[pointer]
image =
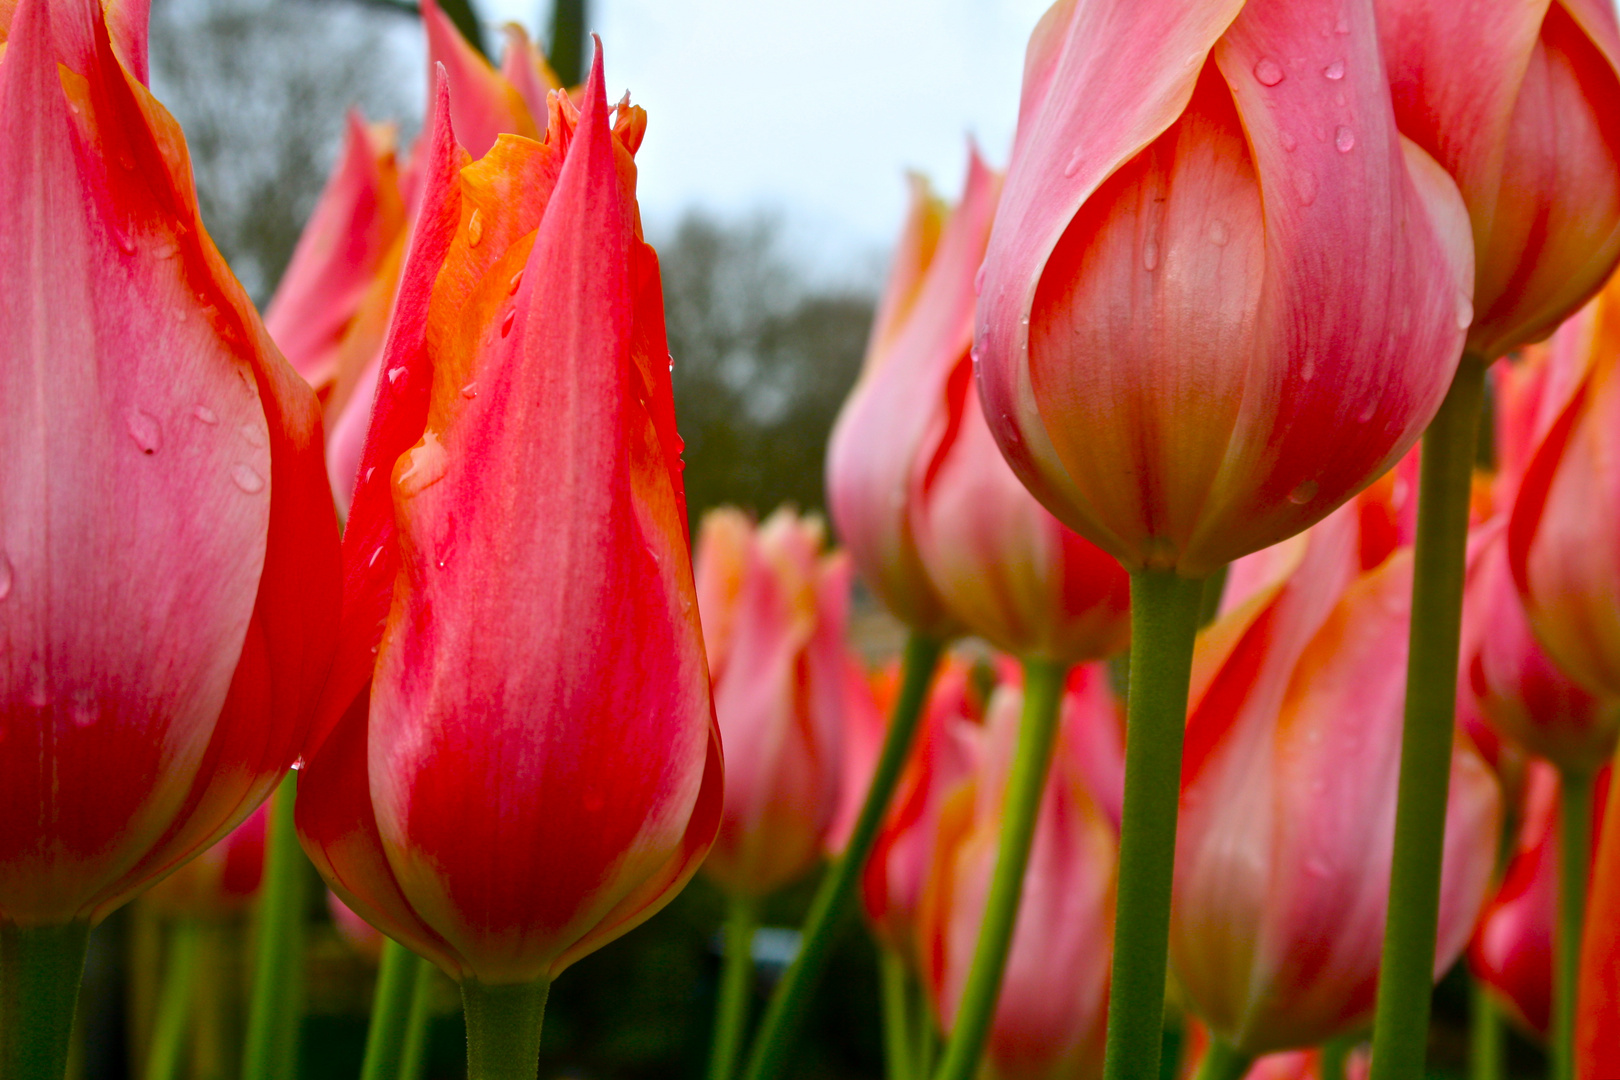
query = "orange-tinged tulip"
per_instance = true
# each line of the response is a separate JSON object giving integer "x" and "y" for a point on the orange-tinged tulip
{"x": 1050, "y": 1018}
{"x": 168, "y": 553}
{"x": 774, "y": 610}
{"x": 1520, "y": 102}
{"x": 222, "y": 880}
{"x": 1288, "y": 800}
{"x": 1222, "y": 293}
{"x": 536, "y": 768}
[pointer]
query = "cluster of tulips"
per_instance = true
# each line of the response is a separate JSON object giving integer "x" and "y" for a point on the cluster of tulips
{"x": 1272, "y": 712}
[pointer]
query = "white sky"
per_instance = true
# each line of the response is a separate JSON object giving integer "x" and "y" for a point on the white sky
{"x": 814, "y": 108}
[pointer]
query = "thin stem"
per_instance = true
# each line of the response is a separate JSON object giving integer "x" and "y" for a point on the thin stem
{"x": 897, "y": 1048}
{"x": 1221, "y": 1062}
{"x": 503, "y": 1028}
{"x": 736, "y": 987}
{"x": 1336, "y": 1057}
{"x": 778, "y": 1031}
{"x": 414, "y": 1058}
{"x": 390, "y": 1013}
{"x": 1037, "y": 734}
{"x": 926, "y": 1041}
{"x": 1486, "y": 1045}
{"x": 1574, "y": 863}
{"x": 1164, "y": 622}
{"x": 40, "y": 969}
{"x": 165, "y": 1060}
{"x": 216, "y": 1002}
{"x": 271, "y": 1045}
{"x": 1406, "y": 980}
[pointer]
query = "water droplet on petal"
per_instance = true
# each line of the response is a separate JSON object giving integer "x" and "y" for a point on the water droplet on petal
{"x": 424, "y": 466}
{"x": 1465, "y": 311}
{"x": 978, "y": 280}
{"x": 126, "y": 243}
{"x": 470, "y": 390}
{"x": 298, "y": 765}
{"x": 506, "y": 323}
{"x": 1269, "y": 72}
{"x": 145, "y": 430}
{"x": 1307, "y": 370}
{"x": 1334, "y": 71}
{"x": 247, "y": 478}
{"x": 1303, "y": 494}
{"x": 1367, "y": 412}
{"x": 1343, "y": 26}
{"x": 1218, "y": 234}
{"x": 395, "y": 374}
{"x": 166, "y": 250}
{"x": 1150, "y": 256}
{"x": 84, "y": 708}
{"x": 253, "y": 435}
{"x": 205, "y": 415}
{"x": 8, "y": 576}
{"x": 1316, "y": 868}
{"x": 375, "y": 555}
{"x": 1344, "y": 139}
{"x": 512, "y": 286}
{"x": 1288, "y": 141}
{"x": 1306, "y": 186}
{"x": 475, "y": 228}
{"x": 367, "y": 478}
{"x": 1076, "y": 159}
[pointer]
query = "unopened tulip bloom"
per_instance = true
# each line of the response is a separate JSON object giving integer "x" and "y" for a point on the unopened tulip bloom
{"x": 536, "y": 768}
{"x": 1293, "y": 752}
{"x": 221, "y": 881}
{"x": 168, "y": 554}
{"x": 775, "y": 610}
{"x": 1049, "y": 1020}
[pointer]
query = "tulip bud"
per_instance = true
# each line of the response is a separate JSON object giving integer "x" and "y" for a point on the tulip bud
{"x": 536, "y": 769}
{"x": 1288, "y": 801}
{"x": 168, "y": 553}
{"x": 1520, "y": 103}
{"x": 1052, "y": 1012}
{"x": 222, "y": 881}
{"x": 362, "y": 937}
{"x": 774, "y": 612}
{"x": 1222, "y": 293}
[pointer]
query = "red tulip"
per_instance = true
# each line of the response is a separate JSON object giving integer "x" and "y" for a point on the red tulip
{"x": 1597, "y": 1010}
{"x": 222, "y": 880}
{"x": 1288, "y": 800}
{"x": 536, "y": 768}
{"x": 891, "y": 429}
{"x": 1222, "y": 294}
{"x": 862, "y": 740}
{"x": 168, "y": 553}
{"x": 1519, "y": 103}
{"x": 774, "y": 610}
{"x": 1051, "y": 1015}
{"x": 362, "y": 937}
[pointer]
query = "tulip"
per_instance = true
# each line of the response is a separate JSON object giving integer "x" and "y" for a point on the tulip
{"x": 535, "y": 769}
{"x": 168, "y": 554}
{"x": 361, "y": 936}
{"x": 1597, "y": 1052}
{"x": 1050, "y": 1017}
{"x": 1293, "y": 752}
{"x": 222, "y": 881}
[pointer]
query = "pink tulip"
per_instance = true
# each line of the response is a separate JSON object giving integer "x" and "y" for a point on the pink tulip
{"x": 1519, "y": 103}
{"x": 168, "y": 553}
{"x": 1288, "y": 800}
{"x": 362, "y": 937}
{"x": 223, "y": 880}
{"x": 1222, "y": 293}
{"x": 536, "y": 768}
{"x": 774, "y": 611}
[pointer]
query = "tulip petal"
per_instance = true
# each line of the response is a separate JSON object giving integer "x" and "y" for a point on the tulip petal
{"x": 524, "y": 66}
{"x": 483, "y": 104}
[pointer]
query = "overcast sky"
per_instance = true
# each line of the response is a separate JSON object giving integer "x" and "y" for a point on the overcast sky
{"x": 812, "y": 107}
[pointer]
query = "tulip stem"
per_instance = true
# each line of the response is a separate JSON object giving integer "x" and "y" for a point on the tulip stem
{"x": 413, "y": 1059}
{"x": 1336, "y": 1057}
{"x": 1574, "y": 864}
{"x": 1485, "y": 1044}
{"x": 922, "y": 1015}
{"x": 271, "y": 1045}
{"x": 40, "y": 969}
{"x": 1406, "y": 977}
{"x": 897, "y": 1030}
{"x": 1221, "y": 1062}
{"x": 1037, "y": 734}
{"x": 736, "y": 987}
{"x": 164, "y": 1061}
{"x": 392, "y": 1013}
{"x": 503, "y": 1028}
{"x": 779, "y": 1029}
{"x": 1164, "y": 621}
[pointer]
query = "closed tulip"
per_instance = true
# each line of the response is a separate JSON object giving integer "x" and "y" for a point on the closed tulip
{"x": 223, "y": 880}
{"x": 1288, "y": 800}
{"x": 536, "y": 768}
{"x": 1222, "y": 293}
{"x": 775, "y": 609}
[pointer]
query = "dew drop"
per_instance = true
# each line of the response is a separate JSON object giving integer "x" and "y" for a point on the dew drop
{"x": 1288, "y": 141}
{"x": 247, "y": 478}
{"x": 166, "y": 251}
{"x": 424, "y": 466}
{"x": 1307, "y": 370}
{"x": 475, "y": 228}
{"x": 1305, "y": 185}
{"x": 1072, "y": 166}
{"x": 367, "y": 478}
{"x": 126, "y": 244}
{"x": 1465, "y": 311}
{"x": 253, "y": 435}
{"x": 395, "y": 374}
{"x": 1150, "y": 256}
{"x": 145, "y": 430}
{"x": 1303, "y": 494}
{"x": 1343, "y": 26}
{"x": 512, "y": 286}
{"x": 978, "y": 280}
{"x": 1367, "y": 412}
{"x": 1269, "y": 72}
{"x": 470, "y": 391}
{"x": 83, "y": 707}
{"x": 1218, "y": 234}
{"x": 205, "y": 415}
{"x": 375, "y": 555}
{"x": 8, "y": 576}
{"x": 1334, "y": 71}
{"x": 298, "y": 765}
{"x": 178, "y": 314}
{"x": 1344, "y": 139}
{"x": 506, "y": 323}
{"x": 1316, "y": 868}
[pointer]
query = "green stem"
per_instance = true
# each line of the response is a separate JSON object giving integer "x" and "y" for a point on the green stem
{"x": 1164, "y": 622}
{"x": 503, "y": 1028}
{"x": 1406, "y": 980}
{"x": 1574, "y": 864}
{"x": 390, "y": 1013}
{"x": 897, "y": 1030}
{"x": 1037, "y": 734}
{"x": 925, "y": 1044}
{"x": 40, "y": 969}
{"x": 1486, "y": 1046}
{"x": 1336, "y": 1057}
{"x": 778, "y": 1031}
{"x": 1214, "y": 589}
{"x": 165, "y": 1060}
{"x": 270, "y": 1050}
{"x": 414, "y": 1058}
{"x": 736, "y": 987}
{"x": 1221, "y": 1062}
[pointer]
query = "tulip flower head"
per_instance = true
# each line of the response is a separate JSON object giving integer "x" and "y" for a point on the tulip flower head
{"x": 223, "y": 880}
{"x": 1222, "y": 293}
{"x": 168, "y": 553}
{"x": 536, "y": 768}
{"x": 774, "y": 611}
